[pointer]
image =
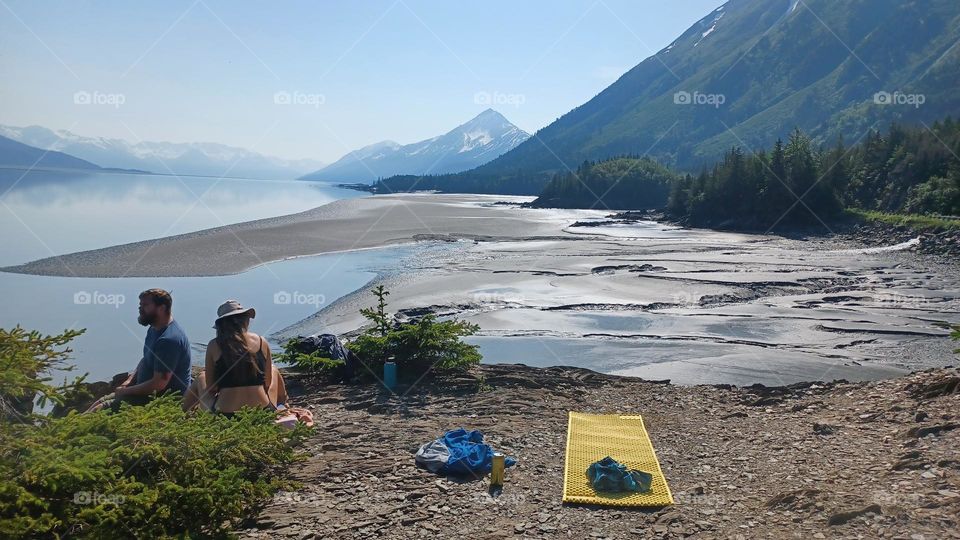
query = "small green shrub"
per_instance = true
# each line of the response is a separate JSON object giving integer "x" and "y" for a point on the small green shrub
{"x": 418, "y": 346}
{"x": 152, "y": 471}
{"x": 378, "y": 316}
{"x": 313, "y": 363}
{"x": 956, "y": 336}
{"x": 149, "y": 471}
{"x": 26, "y": 361}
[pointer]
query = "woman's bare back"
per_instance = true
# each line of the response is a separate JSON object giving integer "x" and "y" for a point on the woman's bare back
{"x": 234, "y": 398}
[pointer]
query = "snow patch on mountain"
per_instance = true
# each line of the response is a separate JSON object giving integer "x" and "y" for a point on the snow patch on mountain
{"x": 713, "y": 26}
{"x": 483, "y": 138}
{"x": 794, "y": 4}
{"x": 475, "y": 139}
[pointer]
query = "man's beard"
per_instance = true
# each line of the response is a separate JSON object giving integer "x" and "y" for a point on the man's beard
{"x": 146, "y": 320}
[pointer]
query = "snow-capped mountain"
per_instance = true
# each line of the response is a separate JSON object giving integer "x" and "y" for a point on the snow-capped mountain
{"x": 205, "y": 159}
{"x": 373, "y": 152}
{"x": 474, "y": 143}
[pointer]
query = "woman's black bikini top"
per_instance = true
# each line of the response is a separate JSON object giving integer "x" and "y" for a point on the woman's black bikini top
{"x": 229, "y": 377}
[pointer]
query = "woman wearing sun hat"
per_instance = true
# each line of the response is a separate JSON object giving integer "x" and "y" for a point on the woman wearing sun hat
{"x": 239, "y": 366}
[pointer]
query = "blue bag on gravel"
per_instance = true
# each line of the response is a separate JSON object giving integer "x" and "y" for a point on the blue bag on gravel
{"x": 458, "y": 452}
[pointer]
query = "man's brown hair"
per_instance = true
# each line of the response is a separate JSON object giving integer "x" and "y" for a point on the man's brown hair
{"x": 159, "y": 297}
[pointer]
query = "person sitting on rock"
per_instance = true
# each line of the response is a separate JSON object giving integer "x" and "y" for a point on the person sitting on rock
{"x": 165, "y": 366}
{"x": 239, "y": 366}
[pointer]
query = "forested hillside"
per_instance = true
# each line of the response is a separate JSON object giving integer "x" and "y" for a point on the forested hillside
{"x": 616, "y": 184}
{"x": 909, "y": 170}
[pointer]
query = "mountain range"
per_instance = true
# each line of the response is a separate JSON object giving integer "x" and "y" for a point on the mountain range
{"x": 19, "y": 155}
{"x": 202, "y": 159}
{"x": 746, "y": 74}
{"x": 466, "y": 146}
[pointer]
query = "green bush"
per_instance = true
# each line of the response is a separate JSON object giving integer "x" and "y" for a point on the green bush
{"x": 937, "y": 195}
{"x": 421, "y": 345}
{"x": 417, "y": 347}
{"x": 913, "y": 221}
{"x": 149, "y": 471}
{"x": 26, "y": 361}
{"x": 312, "y": 363}
{"x": 152, "y": 471}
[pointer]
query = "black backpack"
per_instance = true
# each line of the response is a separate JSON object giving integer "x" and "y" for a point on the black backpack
{"x": 327, "y": 346}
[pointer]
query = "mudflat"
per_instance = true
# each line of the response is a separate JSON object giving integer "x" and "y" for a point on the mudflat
{"x": 694, "y": 306}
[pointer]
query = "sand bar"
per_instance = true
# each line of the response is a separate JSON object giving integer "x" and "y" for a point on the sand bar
{"x": 361, "y": 223}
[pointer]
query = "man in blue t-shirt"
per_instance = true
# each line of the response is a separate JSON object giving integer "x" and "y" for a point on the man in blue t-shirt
{"x": 165, "y": 366}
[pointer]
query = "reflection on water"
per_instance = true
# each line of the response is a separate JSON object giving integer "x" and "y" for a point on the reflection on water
{"x": 47, "y": 213}
{"x": 682, "y": 362}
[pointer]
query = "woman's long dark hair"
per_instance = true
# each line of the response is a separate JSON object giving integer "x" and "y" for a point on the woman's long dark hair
{"x": 238, "y": 362}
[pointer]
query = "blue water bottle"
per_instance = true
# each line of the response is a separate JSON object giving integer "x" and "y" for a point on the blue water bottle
{"x": 390, "y": 374}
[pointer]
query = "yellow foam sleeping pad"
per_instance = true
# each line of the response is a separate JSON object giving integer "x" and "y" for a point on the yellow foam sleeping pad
{"x": 592, "y": 437}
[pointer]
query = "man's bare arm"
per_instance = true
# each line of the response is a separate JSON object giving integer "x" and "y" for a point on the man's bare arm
{"x": 157, "y": 383}
{"x": 131, "y": 376}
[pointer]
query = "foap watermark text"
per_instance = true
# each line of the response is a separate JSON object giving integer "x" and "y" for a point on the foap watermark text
{"x": 297, "y": 97}
{"x": 899, "y": 98}
{"x": 97, "y": 298}
{"x": 496, "y": 98}
{"x": 96, "y": 498}
{"x": 297, "y": 298}
{"x": 97, "y": 97}
{"x": 698, "y": 98}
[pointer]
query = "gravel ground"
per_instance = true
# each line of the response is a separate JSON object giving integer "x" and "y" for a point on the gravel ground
{"x": 813, "y": 460}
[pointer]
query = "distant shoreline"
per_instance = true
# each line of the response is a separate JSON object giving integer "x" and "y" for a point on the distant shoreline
{"x": 108, "y": 170}
{"x": 115, "y": 170}
{"x": 356, "y": 186}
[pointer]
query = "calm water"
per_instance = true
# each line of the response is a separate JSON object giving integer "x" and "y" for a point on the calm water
{"x": 46, "y": 214}
{"x": 52, "y": 213}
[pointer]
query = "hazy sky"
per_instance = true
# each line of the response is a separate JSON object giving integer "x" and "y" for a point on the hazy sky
{"x": 311, "y": 79}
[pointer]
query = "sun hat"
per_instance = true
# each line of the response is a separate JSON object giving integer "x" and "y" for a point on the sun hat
{"x": 233, "y": 307}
